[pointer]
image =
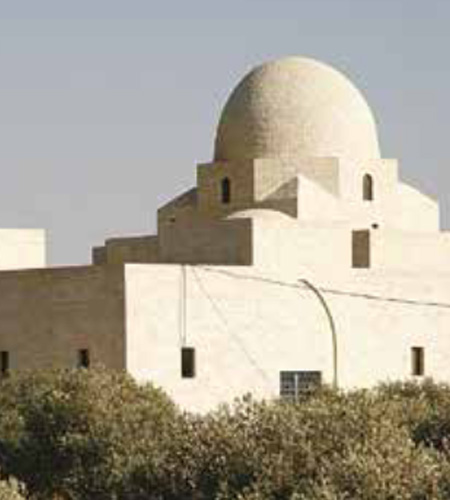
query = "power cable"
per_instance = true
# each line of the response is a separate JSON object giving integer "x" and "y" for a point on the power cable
{"x": 227, "y": 328}
{"x": 311, "y": 288}
{"x": 333, "y": 291}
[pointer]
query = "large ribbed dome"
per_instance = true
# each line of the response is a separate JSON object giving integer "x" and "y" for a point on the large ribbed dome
{"x": 296, "y": 107}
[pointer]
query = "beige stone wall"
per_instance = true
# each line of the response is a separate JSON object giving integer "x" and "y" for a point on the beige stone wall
{"x": 22, "y": 248}
{"x": 324, "y": 172}
{"x": 271, "y": 177}
{"x": 206, "y": 241}
{"x": 181, "y": 209}
{"x": 46, "y": 316}
{"x": 98, "y": 255}
{"x": 262, "y": 183}
{"x": 209, "y": 178}
{"x": 128, "y": 249}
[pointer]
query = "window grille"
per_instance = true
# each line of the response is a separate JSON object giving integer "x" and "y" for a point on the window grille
{"x": 296, "y": 383}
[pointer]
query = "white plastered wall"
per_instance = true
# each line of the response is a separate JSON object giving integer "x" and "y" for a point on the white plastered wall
{"x": 245, "y": 331}
{"x": 410, "y": 251}
{"x": 22, "y": 248}
{"x": 282, "y": 244}
{"x": 241, "y": 345}
{"x": 411, "y": 210}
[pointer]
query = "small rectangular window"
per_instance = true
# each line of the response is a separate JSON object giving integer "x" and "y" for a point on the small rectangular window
{"x": 83, "y": 358}
{"x": 4, "y": 363}
{"x": 361, "y": 249}
{"x": 295, "y": 383}
{"x": 225, "y": 190}
{"x": 188, "y": 362}
{"x": 417, "y": 361}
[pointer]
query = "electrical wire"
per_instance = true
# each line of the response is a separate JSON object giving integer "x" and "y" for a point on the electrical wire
{"x": 227, "y": 328}
{"x": 361, "y": 295}
{"x": 300, "y": 284}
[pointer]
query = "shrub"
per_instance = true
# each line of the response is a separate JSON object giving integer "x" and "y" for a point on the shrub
{"x": 328, "y": 446}
{"x": 80, "y": 434}
{"x": 96, "y": 435}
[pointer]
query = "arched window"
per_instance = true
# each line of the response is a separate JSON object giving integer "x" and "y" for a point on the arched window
{"x": 225, "y": 193}
{"x": 367, "y": 188}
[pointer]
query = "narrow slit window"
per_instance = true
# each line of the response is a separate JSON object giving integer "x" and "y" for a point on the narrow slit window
{"x": 367, "y": 187}
{"x": 84, "y": 360}
{"x": 417, "y": 361}
{"x": 4, "y": 363}
{"x": 225, "y": 190}
{"x": 188, "y": 362}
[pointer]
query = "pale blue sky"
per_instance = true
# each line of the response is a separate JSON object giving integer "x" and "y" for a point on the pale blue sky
{"x": 106, "y": 106}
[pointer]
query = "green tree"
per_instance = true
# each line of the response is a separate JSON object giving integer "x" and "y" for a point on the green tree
{"x": 96, "y": 434}
{"x": 81, "y": 434}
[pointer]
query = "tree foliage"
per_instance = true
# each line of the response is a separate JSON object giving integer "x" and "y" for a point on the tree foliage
{"x": 11, "y": 490}
{"x": 96, "y": 434}
{"x": 81, "y": 434}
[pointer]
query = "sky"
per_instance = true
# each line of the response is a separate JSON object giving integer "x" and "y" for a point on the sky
{"x": 106, "y": 106}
